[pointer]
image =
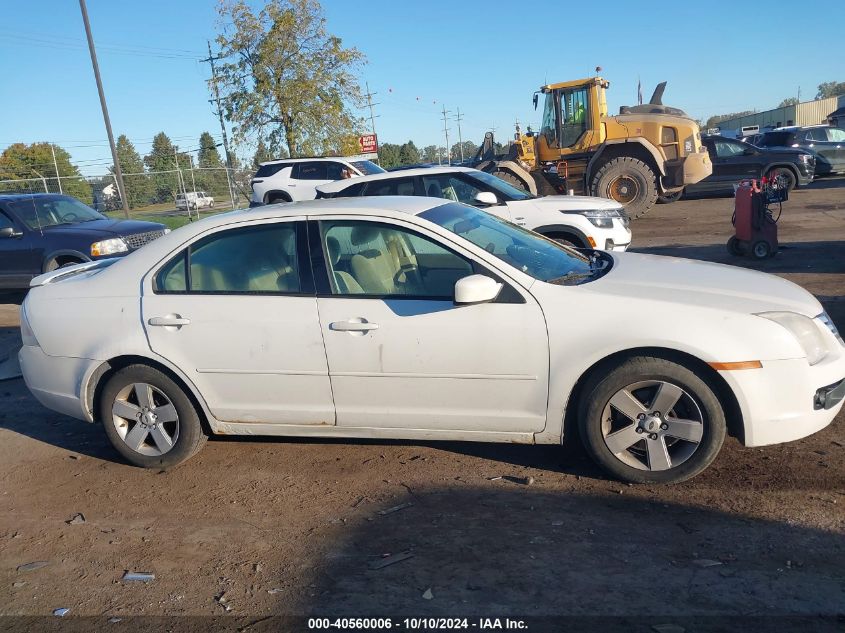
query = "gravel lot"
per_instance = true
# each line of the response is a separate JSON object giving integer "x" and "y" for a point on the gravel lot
{"x": 253, "y": 528}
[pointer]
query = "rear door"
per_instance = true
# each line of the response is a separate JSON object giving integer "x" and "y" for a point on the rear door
{"x": 236, "y": 312}
{"x": 818, "y": 141}
{"x": 308, "y": 175}
{"x": 836, "y": 138}
{"x": 17, "y": 258}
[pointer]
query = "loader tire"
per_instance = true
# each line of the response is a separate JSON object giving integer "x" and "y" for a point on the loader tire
{"x": 629, "y": 181}
{"x": 511, "y": 179}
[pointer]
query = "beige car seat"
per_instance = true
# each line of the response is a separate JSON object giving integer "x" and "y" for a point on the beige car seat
{"x": 344, "y": 283}
{"x": 373, "y": 268}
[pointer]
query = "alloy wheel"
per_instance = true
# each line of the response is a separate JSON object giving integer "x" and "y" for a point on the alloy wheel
{"x": 145, "y": 419}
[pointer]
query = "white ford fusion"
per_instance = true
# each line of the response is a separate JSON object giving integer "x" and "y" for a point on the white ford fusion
{"x": 423, "y": 319}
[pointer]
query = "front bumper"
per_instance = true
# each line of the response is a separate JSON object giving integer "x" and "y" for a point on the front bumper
{"x": 779, "y": 402}
{"x": 57, "y": 381}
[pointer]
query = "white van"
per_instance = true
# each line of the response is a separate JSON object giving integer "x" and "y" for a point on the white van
{"x": 194, "y": 200}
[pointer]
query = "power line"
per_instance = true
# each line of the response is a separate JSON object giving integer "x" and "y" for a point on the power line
{"x": 446, "y": 132}
{"x": 458, "y": 119}
{"x": 370, "y": 104}
{"x": 211, "y": 59}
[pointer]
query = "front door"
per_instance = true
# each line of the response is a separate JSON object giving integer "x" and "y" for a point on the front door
{"x": 402, "y": 355}
{"x": 17, "y": 260}
{"x": 237, "y": 313}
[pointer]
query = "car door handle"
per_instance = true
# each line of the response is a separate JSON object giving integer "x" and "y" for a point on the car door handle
{"x": 353, "y": 326}
{"x": 169, "y": 321}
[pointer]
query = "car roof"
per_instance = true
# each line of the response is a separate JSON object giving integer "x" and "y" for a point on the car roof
{"x": 412, "y": 205}
{"x": 28, "y": 196}
{"x": 346, "y": 159}
{"x": 340, "y": 185}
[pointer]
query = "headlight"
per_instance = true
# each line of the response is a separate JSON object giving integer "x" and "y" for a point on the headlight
{"x": 602, "y": 218}
{"x": 828, "y": 323}
{"x": 108, "y": 247}
{"x": 166, "y": 230}
{"x": 805, "y": 331}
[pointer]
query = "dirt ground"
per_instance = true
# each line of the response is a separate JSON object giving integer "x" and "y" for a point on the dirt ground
{"x": 256, "y": 528}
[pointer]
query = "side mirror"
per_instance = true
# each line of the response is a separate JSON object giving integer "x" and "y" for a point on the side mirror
{"x": 476, "y": 289}
{"x": 9, "y": 231}
{"x": 486, "y": 198}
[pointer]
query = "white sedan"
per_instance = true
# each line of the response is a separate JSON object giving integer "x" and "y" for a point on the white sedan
{"x": 579, "y": 221}
{"x": 422, "y": 319}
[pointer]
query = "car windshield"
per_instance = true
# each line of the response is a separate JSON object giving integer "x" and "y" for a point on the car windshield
{"x": 367, "y": 167}
{"x": 530, "y": 252}
{"x": 507, "y": 190}
{"x": 38, "y": 213}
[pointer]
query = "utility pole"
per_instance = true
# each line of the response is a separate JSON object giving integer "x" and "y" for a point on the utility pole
{"x": 117, "y": 172}
{"x": 446, "y": 132}
{"x": 370, "y": 104}
{"x": 458, "y": 118}
{"x": 181, "y": 181}
{"x": 56, "y": 167}
{"x": 211, "y": 59}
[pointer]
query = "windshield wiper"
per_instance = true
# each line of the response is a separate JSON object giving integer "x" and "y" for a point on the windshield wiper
{"x": 570, "y": 277}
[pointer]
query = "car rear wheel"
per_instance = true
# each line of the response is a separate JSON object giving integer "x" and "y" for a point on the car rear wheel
{"x": 651, "y": 420}
{"x": 149, "y": 419}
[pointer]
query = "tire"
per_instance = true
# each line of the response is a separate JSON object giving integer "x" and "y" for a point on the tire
{"x": 509, "y": 178}
{"x": 273, "y": 198}
{"x": 54, "y": 264}
{"x": 567, "y": 240}
{"x": 185, "y": 433}
{"x": 654, "y": 455}
{"x": 787, "y": 174}
{"x": 629, "y": 181}
{"x": 734, "y": 246}
{"x": 761, "y": 249}
{"x": 669, "y": 198}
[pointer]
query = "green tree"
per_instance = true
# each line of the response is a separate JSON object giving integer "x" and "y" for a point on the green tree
{"x": 20, "y": 161}
{"x": 136, "y": 182}
{"x": 469, "y": 150}
{"x": 388, "y": 154}
{"x": 161, "y": 163}
{"x": 789, "y": 101}
{"x": 409, "y": 154}
{"x": 262, "y": 154}
{"x": 286, "y": 78}
{"x": 830, "y": 89}
{"x": 429, "y": 154}
{"x": 211, "y": 175}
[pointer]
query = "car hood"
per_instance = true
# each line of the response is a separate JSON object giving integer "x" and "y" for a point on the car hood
{"x": 568, "y": 203}
{"x": 676, "y": 280}
{"x": 105, "y": 228}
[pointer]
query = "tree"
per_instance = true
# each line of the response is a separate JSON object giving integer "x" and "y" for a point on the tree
{"x": 162, "y": 158}
{"x": 286, "y": 78}
{"x": 469, "y": 150}
{"x": 211, "y": 177}
{"x": 409, "y": 154}
{"x": 136, "y": 182}
{"x": 830, "y": 89}
{"x": 789, "y": 101}
{"x": 714, "y": 120}
{"x": 262, "y": 155}
{"x": 429, "y": 154}
{"x": 34, "y": 162}
{"x": 388, "y": 154}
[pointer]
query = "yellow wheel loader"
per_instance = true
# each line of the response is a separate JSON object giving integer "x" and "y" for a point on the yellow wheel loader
{"x": 632, "y": 157}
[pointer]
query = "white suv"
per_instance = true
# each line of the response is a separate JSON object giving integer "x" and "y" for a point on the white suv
{"x": 580, "y": 221}
{"x": 194, "y": 200}
{"x": 293, "y": 179}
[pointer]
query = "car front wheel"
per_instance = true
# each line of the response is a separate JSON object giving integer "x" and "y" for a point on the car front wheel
{"x": 651, "y": 420}
{"x": 149, "y": 419}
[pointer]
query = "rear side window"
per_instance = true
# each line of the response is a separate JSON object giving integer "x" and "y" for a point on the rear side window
{"x": 776, "y": 139}
{"x": 312, "y": 171}
{"x": 251, "y": 260}
{"x": 837, "y": 135}
{"x": 265, "y": 171}
{"x": 398, "y": 187}
{"x": 819, "y": 134}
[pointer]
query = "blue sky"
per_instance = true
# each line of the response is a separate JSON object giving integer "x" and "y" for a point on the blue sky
{"x": 486, "y": 58}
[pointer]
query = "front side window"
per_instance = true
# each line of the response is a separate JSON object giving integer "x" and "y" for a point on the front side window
{"x": 5, "y": 222}
{"x": 38, "y": 213}
{"x": 573, "y": 105}
{"x": 251, "y": 260}
{"x": 383, "y": 260}
{"x": 525, "y": 250}
{"x": 819, "y": 134}
{"x": 367, "y": 167}
{"x": 726, "y": 149}
{"x": 548, "y": 127}
{"x": 503, "y": 189}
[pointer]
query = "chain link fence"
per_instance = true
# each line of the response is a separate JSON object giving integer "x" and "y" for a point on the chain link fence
{"x": 204, "y": 188}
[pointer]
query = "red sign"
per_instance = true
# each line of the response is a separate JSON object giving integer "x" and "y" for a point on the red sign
{"x": 368, "y": 143}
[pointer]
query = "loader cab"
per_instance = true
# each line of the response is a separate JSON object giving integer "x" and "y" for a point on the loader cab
{"x": 571, "y": 121}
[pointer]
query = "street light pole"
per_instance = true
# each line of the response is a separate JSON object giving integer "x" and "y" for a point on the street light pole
{"x": 117, "y": 172}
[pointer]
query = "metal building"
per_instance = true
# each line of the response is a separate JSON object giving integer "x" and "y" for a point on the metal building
{"x": 804, "y": 113}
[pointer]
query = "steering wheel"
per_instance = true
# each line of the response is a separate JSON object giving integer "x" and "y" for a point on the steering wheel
{"x": 409, "y": 271}
{"x": 490, "y": 248}
{"x": 70, "y": 216}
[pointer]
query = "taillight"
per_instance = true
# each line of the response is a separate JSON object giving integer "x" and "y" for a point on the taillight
{"x": 27, "y": 335}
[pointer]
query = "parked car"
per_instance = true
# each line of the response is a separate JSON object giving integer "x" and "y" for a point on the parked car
{"x": 194, "y": 200}
{"x": 735, "y": 161}
{"x": 414, "y": 318}
{"x": 42, "y": 232}
{"x": 293, "y": 179}
{"x": 580, "y": 221}
{"x": 826, "y": 144}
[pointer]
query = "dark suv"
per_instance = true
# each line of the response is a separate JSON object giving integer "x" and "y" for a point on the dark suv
{"x": 42, "y": 232}
{"x": 827, "y": 144}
